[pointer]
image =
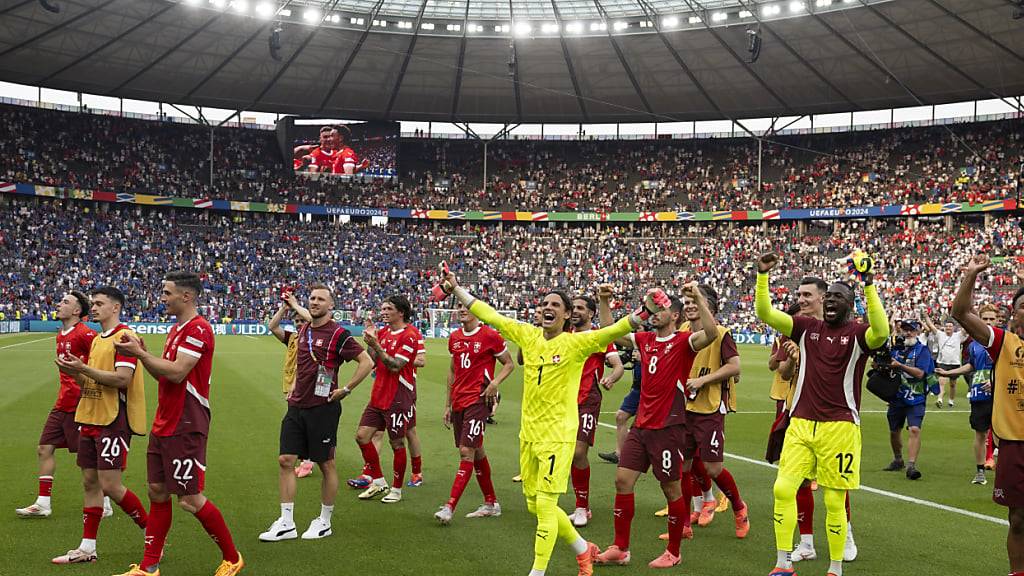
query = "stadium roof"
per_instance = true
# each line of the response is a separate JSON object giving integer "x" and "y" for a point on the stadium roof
{"x": 513, "y": 61}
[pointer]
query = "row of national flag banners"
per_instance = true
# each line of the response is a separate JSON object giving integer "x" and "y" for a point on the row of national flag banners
{"x": 928, "y": 209}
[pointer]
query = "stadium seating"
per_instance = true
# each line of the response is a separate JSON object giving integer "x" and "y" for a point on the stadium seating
{"x": 966, "y": 162}
{"x": 51, "y": 246}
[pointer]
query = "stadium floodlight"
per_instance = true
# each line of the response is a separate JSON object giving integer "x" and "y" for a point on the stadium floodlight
{"x": 454, "y": 27}
{"x": 823, "y": 3}
{"x": 523, "y": 29}
{"x": 574, "y": 27}
{"x": 549, "y": 28}
{"x": 311, "y": 15}
{"x": 670, "y": 21}
{"x": 405, "y": 24}
{"x": 474, "y": 28}
{"x": 745, "y": 14}
{"x": 218, "y": 4}
{"x": 598, "y": 26}
{"x": 797, "y": 6}
{"x": 427, "y": 26}
{"x": 620, "y": 26}
{"x": 264, "y": 10}
{"x": 193, "y": 2}
{"x": 357, "y": 21}
{"x": 335, "y": 18}
{"x": 719, "y": 17}
{"x": 694, "y": 20}
{"x": 771, "y": 10}
{"x": 286, "y": 12}
{"x": 240, "y": 6}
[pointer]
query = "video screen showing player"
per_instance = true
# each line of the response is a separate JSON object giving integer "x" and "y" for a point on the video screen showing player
{"x": 367, "y": 149}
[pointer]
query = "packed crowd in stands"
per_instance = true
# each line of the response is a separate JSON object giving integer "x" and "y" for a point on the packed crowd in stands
{"x": 964, "y": 162}
{"x": 51, "y": 246}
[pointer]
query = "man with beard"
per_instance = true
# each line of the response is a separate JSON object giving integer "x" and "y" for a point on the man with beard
{"x": 659, "y": 431}
{"x": 310, "y": 427}
{"x": 823, "y": 440}
{"x": 809, "y": 302}
{"x": 589, "y": 398}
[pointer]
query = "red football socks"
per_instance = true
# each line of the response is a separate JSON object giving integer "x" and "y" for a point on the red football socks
{"x": 417, "y": 464}
{"x": 727, "y": 484}
{"x": 623, "y": 511}
{"x": 701, "y": 475}
{"x": 372, "y": 460}
{"x": 45, "y": 485}
{"x": 160, "y": 514}
{"x": 91, "y": 522}
{"x": 805, "y": 509}
{"x": 461, "y": 479}
{"x": 677, "y": 511}
{"x": 399, "y": 467}
{"x": 687, "y": 484}
{"x": 581, "y": 486}
{"x": 213, "y": 522}
{"x": 132, "y": 506}
{"x": 483, "y": 477}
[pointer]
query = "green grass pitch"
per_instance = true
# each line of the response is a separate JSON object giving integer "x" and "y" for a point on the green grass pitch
{"x": 895, "y": 536}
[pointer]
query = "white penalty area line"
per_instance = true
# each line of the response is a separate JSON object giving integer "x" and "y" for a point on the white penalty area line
{"x": 26, "y": 342}
{"x": 886, "y": 493}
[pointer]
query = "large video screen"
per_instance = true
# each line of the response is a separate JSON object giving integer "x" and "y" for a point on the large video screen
{"x": 362, "y": 149}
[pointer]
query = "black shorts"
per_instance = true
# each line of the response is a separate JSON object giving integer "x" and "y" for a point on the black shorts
{"x": 981, "y": 416}
{"x": 951, "y": 367}
{"x": 311, "y": 433}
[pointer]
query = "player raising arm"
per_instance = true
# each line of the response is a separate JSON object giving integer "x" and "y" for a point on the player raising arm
{"x": 659, "y": 432}
{"x": 823, "y": 439}
{"x": 1004, "y": 348}
{"x": 553, "y": 365}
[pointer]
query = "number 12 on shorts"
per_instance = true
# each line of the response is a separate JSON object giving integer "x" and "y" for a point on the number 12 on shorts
{"x": 845, "y": 463}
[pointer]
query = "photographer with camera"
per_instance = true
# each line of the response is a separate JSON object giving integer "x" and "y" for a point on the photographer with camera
{"x": 914, "y": 362}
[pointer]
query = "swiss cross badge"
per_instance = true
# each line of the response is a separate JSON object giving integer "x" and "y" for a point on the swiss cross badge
{"x": 556, "y": 359}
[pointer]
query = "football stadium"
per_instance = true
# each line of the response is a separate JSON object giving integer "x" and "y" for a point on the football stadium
{"x": 527, "y": 287}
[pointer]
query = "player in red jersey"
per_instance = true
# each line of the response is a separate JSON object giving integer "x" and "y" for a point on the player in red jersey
{"x": 392, "y": 404}
{"x": 176, "y": 458}
{"x": 347, "y": 161}
{"x": 60, "y": 430}
{"x": 657, "y": 435}
{"x": 589, "y": 399}
{"x": 472, "y": 388}
{"x": 111, "y": 409}
{"x": 320, "y": 158}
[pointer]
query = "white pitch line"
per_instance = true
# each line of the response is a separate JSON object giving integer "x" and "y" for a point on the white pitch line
{"x": 886, "y": 493}
{"x": 25, "y": 342}
{"x": 930, "y": 412}
{"x": 253, "y": 337}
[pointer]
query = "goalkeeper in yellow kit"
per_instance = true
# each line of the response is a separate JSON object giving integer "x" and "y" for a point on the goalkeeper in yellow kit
{"x": 553, "y": 365}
